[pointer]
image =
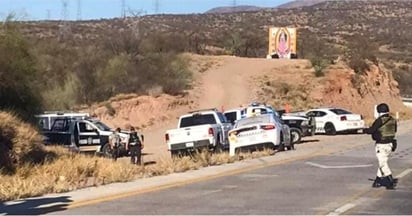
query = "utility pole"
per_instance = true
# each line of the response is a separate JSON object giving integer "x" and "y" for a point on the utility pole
{"x": 156, "y": 6}
{"x": 79, "y": 10}
{"x": 234, "y": 4}
{"x": 48, "y": 14}
{"x": 65, "y": 10}
{"x": 123, "y": 9}
{"x": 64, "y": 28}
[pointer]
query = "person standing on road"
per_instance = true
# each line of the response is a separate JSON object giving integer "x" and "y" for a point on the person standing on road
{"x": 135, "y": 145}
{"x": 115, "y": 143}
{"x": 383, "y": 131}
{"x": 312, "y": 124}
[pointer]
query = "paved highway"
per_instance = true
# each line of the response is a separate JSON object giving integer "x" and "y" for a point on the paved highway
{"x": 336, "y": 183}
{"x": 327, "y": 175}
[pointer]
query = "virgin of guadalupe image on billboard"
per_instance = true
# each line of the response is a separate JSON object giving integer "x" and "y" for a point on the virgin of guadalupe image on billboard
{"x": 282, "y": 43}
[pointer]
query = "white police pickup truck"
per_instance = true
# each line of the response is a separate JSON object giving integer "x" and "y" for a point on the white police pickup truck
{"x": 198, "y": 130}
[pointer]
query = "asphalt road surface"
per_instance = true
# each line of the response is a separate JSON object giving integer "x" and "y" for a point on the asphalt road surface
{"x": 336, "y": 183}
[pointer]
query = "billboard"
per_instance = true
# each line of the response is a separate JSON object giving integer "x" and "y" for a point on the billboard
{"x": 282, "y": 43}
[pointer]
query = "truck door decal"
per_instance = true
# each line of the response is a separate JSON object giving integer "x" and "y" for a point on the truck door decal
{"x": 88, "y": 134}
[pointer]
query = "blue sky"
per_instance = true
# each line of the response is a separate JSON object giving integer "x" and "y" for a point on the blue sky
{"x": 96, "y": 9}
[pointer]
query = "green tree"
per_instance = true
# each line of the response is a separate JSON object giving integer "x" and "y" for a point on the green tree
{"x": 18, "y": 73}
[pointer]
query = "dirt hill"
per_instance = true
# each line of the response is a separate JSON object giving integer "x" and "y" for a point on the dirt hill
{"x": 228, "y": 82}
{"x": 383, "y": 26}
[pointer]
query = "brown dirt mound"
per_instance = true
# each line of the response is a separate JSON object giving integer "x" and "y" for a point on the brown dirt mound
{"x": 360, "y": 92}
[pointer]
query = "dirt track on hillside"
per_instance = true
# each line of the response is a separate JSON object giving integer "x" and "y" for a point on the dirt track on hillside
{"x": 227, "y": 86}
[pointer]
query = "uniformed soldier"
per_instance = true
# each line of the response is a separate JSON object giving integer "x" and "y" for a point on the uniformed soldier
{"x": 135, "y": 144}
{"x": 383, "y": 131}
{"x": 115, "y": 143}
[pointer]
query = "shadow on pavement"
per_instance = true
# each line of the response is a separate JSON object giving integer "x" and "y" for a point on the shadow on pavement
{"x": 308, "y": 141}
{"x": 35, "y": 206}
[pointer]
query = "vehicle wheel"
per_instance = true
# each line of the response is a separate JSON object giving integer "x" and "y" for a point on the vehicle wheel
{"x": 295, "y": 135}
{"x": 330, "y": 129}
{"x": 107, "y": 151}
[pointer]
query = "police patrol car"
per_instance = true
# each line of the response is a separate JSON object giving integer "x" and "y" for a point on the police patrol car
{"x": 332, "y": 120}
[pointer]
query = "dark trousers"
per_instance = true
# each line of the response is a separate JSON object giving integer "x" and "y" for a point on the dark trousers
{"x": 135, "y": 154}
{"x": 115, "y": 153}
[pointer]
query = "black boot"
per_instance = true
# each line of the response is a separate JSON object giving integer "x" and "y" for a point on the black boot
{"x": 395, "y": 180}
{"x": 390, "y": 183}
{"x": 377, "y": 182}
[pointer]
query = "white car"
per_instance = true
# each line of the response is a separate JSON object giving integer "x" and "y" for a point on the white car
{"x": 333, "y": 120}
{"x": 259, "y": 131}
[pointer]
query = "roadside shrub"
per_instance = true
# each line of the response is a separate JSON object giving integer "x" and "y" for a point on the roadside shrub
{"x": 62, "y": 97}
{"x": 18, "y": 73}
{"x": 360, "y": 51}
{"x": 319, "y": 52}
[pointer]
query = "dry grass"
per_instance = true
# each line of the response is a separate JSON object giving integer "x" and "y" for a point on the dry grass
{"x": 405, "y": 113}
{"x": 30, "y": 169}
{"x": 70, "y": 171}
{"x": 19, "y": 143}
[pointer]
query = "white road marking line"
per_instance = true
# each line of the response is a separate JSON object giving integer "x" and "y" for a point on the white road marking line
{"x": 211, "y": 192}
{"x": 338, "y": 167}
{"x": 15, "y": 202}
{"x": 50, "y": 205}
{"x": 348, "y": 206}
{"x": 258, "y": 175}
{"x": 404, "y": 173}
{"x": 230, "y": 186}
{"x": 342, "y": 209}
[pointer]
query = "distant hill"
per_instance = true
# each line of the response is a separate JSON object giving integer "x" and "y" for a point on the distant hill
{"x": 245, "y": 8}
{"x": 300, "y": 3}
{"x": 339, "y": 25}
{"x": 240, "y": 8}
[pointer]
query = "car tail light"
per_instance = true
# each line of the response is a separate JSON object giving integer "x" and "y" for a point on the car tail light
{"x": 167, "y": 137}
{"x": 343, "y": 118}
{"x": 268, "y": 127}
{"x": 210, "y": 131}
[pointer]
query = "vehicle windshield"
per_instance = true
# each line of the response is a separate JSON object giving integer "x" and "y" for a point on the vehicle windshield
{"x": 262, "y": 119}
{"x": 197, "y": 120}
{"x": 102, "y": 126}
{"x": 340, "y": 111}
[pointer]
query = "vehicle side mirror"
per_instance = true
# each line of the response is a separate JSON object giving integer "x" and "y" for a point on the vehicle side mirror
{"x": 96, "y": 131}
